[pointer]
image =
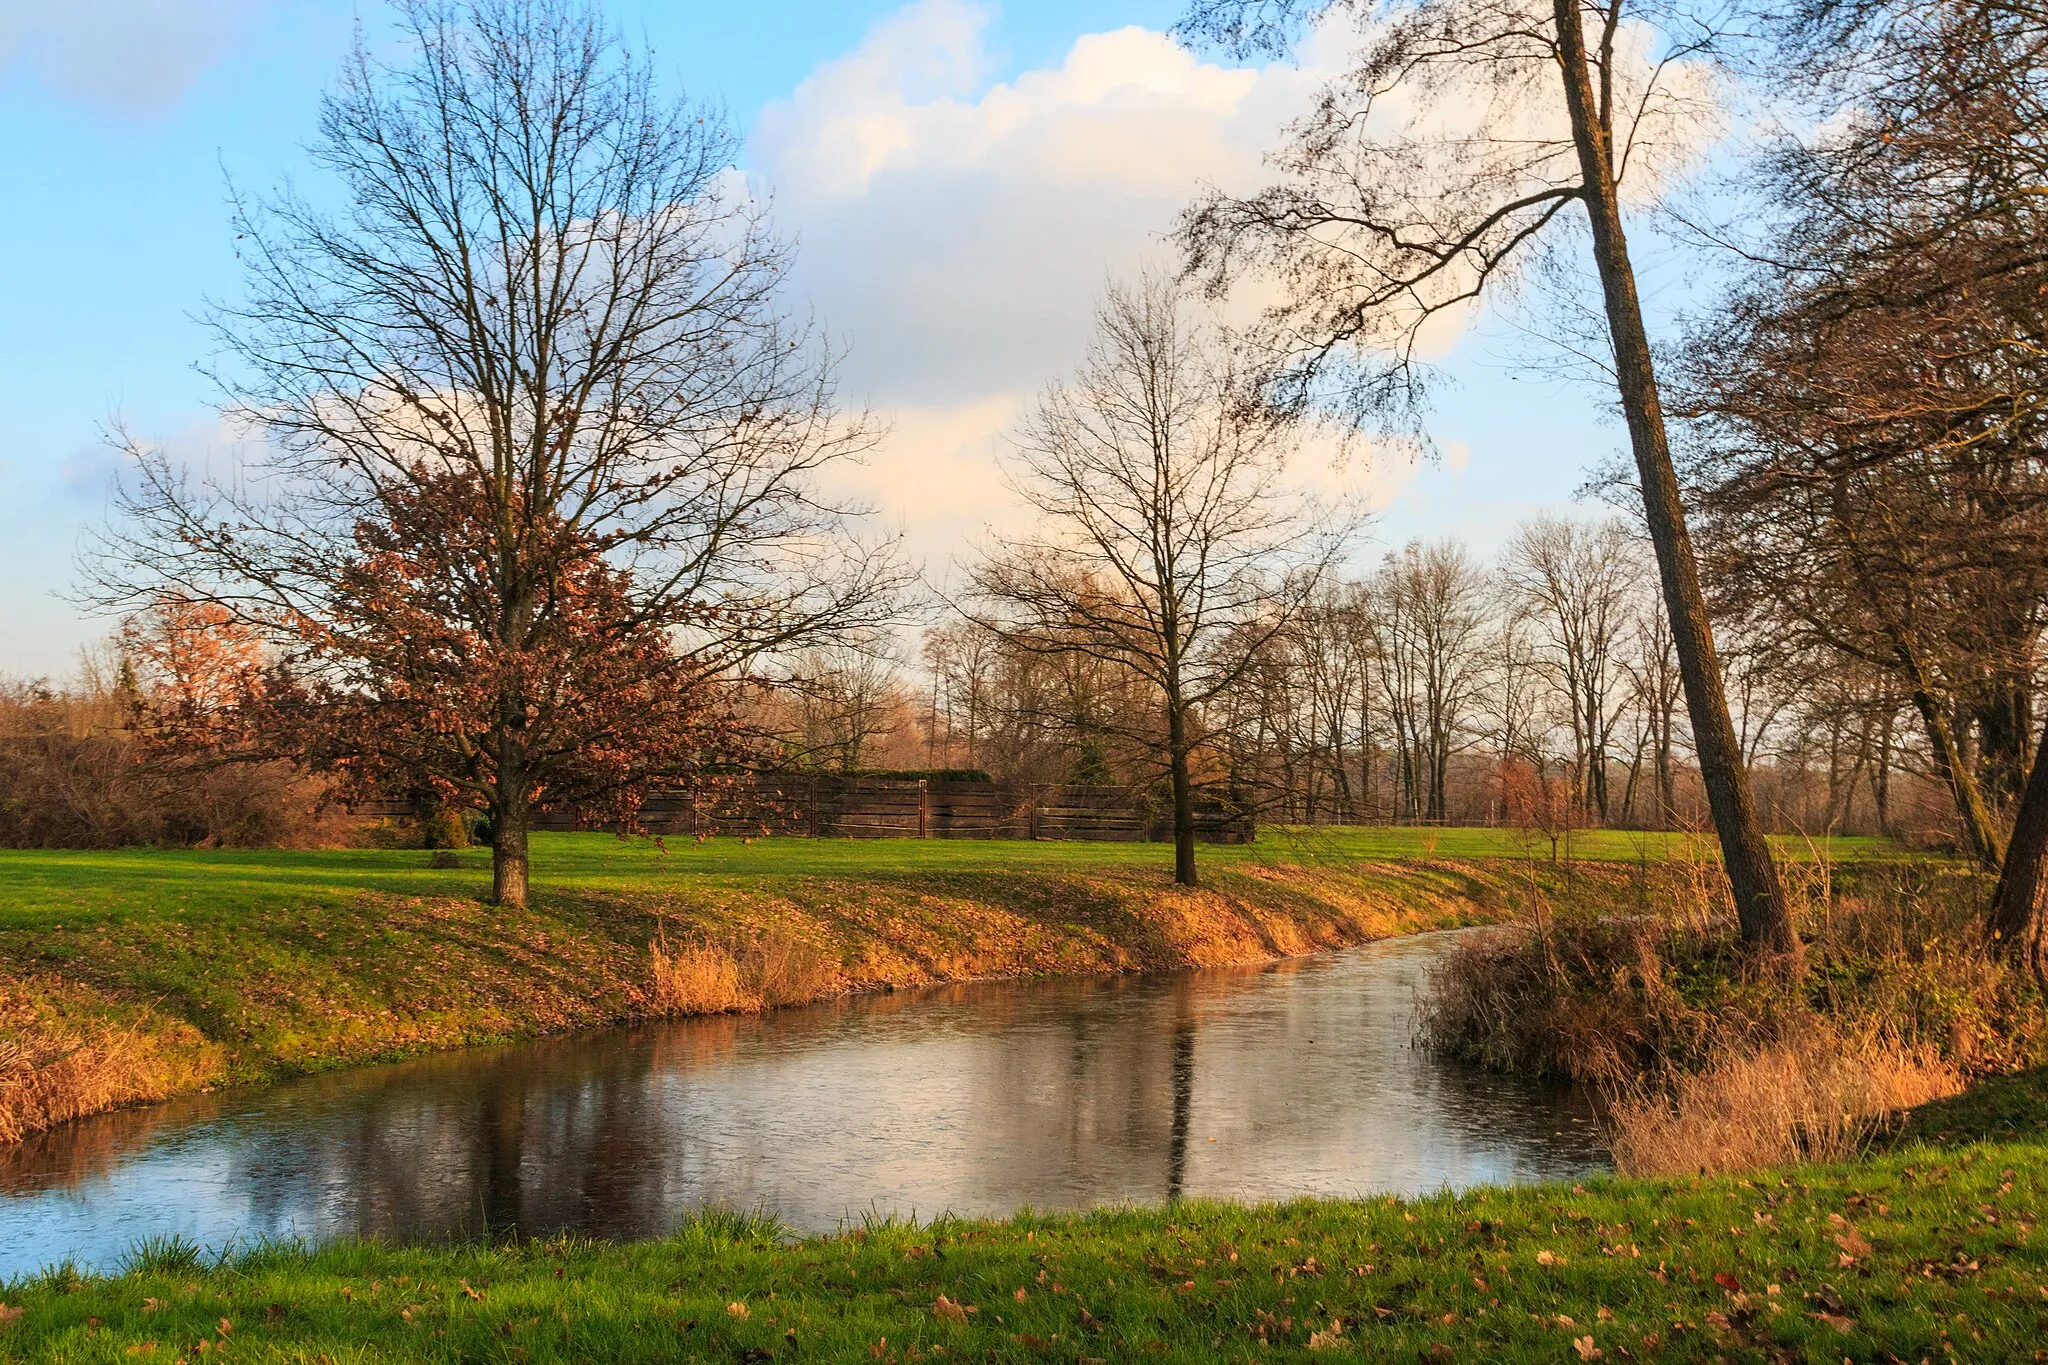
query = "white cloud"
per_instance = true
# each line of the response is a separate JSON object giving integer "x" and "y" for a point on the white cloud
{"x": 961, "y": 235}
{"x": 129, "y": 56}
{"x": 960, "y": 231}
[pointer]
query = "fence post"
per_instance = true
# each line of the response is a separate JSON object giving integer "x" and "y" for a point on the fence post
{"x": 924, "y": 809}
{"x": 814, "y": 806}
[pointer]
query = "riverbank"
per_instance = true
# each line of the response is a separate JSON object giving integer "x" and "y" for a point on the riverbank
{"x": 130, "y": 976}
{"x": 1926, "y": 1249}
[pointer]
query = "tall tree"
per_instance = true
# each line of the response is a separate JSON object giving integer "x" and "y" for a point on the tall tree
{"x": 1429, "y": 621}
{"x": 1879, "y": 436}
{"x": 540, "y": 294}
{"x": 1424, "y": 181}
{"x": 1170, "y": 545}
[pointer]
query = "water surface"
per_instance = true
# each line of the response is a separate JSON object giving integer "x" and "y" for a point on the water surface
{"x": 1298, "y": 1078}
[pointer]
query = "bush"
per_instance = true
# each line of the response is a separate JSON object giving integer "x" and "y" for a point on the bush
{"x": 1706, "y": 1062}
{"x": 73, "y": 776}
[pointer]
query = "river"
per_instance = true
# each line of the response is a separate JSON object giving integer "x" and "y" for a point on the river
{"x": 1294, "y": 1078}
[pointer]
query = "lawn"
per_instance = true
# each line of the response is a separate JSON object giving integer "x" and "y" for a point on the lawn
{"x": 1927, "y": 1251}
{"x": 51, "y": 885}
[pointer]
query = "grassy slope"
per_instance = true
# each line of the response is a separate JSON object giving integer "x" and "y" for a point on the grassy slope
{"x": 184, "y": 969}
{"x": 1922, "y": 1252}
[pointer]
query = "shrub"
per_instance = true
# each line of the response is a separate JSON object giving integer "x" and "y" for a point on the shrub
{"x": 1706, "y": 1062}
{"x": 73, "y": 776}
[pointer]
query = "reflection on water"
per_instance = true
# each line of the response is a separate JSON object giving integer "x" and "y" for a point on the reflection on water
{"x": 1257, "y": 1083}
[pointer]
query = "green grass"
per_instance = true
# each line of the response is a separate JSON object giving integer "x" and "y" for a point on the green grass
{"x": 1917, "y": 1253}
{"x": 46, "y": 886}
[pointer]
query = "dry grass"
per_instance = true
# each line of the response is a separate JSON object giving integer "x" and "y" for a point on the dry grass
{"x": 712, "y": 978}
{"x": 1707, "y": 1062}
{"x": 1817, "y": 1098}
{"x": 48, "y": 1078}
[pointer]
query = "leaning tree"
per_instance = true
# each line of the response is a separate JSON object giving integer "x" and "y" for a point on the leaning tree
{"x": 536, "y": 439}
{"x": 1465, "y": 138}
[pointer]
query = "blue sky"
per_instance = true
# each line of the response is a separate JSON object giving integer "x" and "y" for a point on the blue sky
{"x": 962, "y": 178}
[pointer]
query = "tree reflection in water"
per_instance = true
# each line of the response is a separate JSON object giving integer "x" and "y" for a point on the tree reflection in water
{"x": 1295, "y": 1078}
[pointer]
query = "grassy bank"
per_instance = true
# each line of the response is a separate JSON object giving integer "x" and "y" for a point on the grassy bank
{"x": 127, "y": 976}
{"x": 1927, "y": 1251}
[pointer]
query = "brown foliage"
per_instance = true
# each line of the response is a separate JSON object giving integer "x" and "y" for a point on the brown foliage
{"x": 79, "y": 770}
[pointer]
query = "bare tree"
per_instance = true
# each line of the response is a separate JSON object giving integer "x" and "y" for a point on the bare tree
{"x": 1423, "y": 182}
{"x": 1576, "y": 580}
{"x": 1430, "y": 624}
{"x": 1170, "y": 545}
{"x": 543, "y": 304}
{"x": 1657, "y": 688}
{"x": 844, "y": 700}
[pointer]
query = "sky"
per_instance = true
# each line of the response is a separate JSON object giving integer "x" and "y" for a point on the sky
{"x": 962, "y": 178}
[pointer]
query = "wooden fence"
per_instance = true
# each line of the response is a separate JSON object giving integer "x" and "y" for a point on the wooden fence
{"x": 824, "y": 805}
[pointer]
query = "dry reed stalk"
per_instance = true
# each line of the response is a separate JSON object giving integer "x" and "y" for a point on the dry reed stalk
{"x": 777, "y": 969}
{"x": 697, "y": 980}
{"x": 49, "y": 1077}
{"x": 783, "y": 970}
{"x": 1813, "y": 1099}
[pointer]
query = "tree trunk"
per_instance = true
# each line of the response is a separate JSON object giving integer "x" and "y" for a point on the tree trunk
{"x": 1760, "y": 909}
{"x": 2018, "y": 932}
{"x": 1979, "y": 833}
{"x": 511, "y": 817}
{"x": 1183, "y": 794}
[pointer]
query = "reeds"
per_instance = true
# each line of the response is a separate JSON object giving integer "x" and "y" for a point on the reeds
{"x": 48, "y": 1077}
{"x": 1710, "y": 1061}
{"x": 1815, "y": 1098}
{"x": 717, "y": 978}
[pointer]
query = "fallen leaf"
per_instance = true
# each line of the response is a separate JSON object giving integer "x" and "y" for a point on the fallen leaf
{"x": 943, "y": 1307}
{"x": 1020, "y": 1295}
{"x": 1329, "y": 1338}
{"x": 1604, "y": 1313}
{"x": 1727, "y": 1282}
{"x": 1836, "y": 1321}
{"x": 467, "y": 1292}
{"x": 1546, "y": 1257}
{"x": 1564, "y": 1321}
{"x": 1586, "y": 1349}
{"x": 737, "y": 1309}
